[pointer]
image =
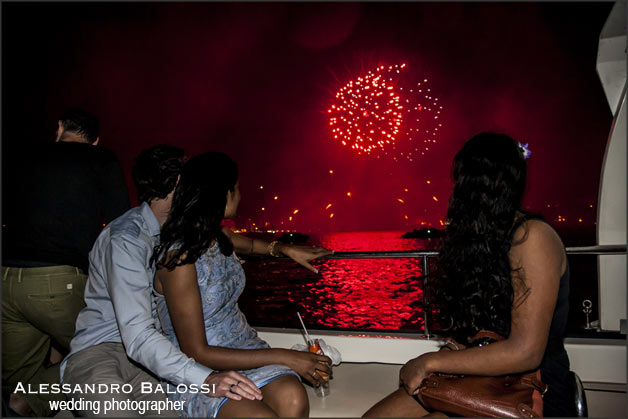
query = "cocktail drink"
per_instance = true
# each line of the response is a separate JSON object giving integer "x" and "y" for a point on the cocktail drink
{"x": 323, "y": 389}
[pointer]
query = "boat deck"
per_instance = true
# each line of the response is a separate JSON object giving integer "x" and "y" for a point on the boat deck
{"x": 354, "y": 389}
{"x": 371, "y": 363}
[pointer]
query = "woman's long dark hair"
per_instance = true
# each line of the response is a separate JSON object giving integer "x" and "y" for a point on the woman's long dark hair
{"x": 197, "y": 210}
{"x": 473, "y": 284}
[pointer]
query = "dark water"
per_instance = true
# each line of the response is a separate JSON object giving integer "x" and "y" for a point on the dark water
{"x": 364, "y": 294}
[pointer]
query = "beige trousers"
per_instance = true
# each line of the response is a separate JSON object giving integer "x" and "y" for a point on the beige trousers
{"x": 108, "y": 364}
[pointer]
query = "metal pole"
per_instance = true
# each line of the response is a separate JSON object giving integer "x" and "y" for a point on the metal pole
{"x": 427, "y": 305}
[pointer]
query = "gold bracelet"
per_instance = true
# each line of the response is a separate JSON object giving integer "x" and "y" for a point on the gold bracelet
{"x": 271, "y": 249}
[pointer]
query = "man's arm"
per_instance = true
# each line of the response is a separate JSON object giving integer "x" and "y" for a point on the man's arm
{"x": 130, "y": 287}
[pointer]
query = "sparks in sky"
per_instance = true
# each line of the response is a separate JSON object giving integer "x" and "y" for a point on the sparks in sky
{"x": 381, "y": 113}
{"x": 367, "y": 114}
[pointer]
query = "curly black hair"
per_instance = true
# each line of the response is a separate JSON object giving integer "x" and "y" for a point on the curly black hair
{"x": 156, "y": 170}
{"x": 81, "y": 123}
{"x": 473, "y": 285}
{"x": 198, "y": 207}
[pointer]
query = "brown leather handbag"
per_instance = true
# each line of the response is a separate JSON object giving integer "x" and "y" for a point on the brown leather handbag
{"x": 516, "y": 395}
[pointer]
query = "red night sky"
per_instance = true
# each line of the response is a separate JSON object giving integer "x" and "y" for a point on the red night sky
{"x": 257, "y": 80}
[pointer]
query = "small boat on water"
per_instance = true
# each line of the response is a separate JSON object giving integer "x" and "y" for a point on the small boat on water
{"x": 424, "y": 233}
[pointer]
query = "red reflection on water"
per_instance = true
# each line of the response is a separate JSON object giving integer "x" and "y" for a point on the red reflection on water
{"x": 369, "y": 293}
{"x": 362, "y": 294}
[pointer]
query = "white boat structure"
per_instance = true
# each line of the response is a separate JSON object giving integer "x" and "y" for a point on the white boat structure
{"x": 371, "y": 361}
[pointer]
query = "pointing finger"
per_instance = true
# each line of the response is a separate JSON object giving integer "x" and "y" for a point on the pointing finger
{"x": 308, "y": 266}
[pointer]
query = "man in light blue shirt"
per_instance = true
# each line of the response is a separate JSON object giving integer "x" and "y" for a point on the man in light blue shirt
{"x": 117, "y": 335}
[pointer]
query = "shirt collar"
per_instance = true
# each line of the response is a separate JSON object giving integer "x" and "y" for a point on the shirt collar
{"x": 151, "y": 220}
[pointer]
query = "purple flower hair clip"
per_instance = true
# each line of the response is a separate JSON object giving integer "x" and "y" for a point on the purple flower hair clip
{"x": 525, "y": 151}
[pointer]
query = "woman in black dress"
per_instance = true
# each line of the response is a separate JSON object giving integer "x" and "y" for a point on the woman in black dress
{"x": 500, "y": 269}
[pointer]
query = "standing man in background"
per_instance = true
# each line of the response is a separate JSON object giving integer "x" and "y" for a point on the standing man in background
{"x": 54, "y": 208}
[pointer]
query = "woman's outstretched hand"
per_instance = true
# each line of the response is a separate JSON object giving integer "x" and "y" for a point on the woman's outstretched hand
{"x": 412, "y": 374}
{"x": 304, "y": 254}
{"x": 306, "y": 365}
{"x": 233, "y": 385}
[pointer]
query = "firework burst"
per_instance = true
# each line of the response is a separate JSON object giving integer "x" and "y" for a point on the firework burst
{"x": 380, "y": 113}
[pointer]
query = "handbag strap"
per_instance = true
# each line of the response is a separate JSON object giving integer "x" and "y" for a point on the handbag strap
{"x": 482, "y": 334}
{"x": 531, "y": 380}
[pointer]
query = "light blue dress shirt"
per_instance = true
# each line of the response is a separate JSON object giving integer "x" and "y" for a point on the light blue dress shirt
{"x": 119, "y": 303}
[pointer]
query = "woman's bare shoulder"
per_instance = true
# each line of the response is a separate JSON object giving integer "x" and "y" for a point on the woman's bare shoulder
{"x": 537, "y": 239}
{"x": 536, "y": 232}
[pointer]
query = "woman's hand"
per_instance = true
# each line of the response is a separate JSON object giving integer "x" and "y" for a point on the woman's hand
{"x": 306, "y": 364}
{"x": 412, "y": 374}
{"x": 304, "y": 254}
{"x": 233, "y": 385}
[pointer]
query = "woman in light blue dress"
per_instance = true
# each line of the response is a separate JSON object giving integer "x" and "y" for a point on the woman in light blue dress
{"x": 197, "y": 288}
